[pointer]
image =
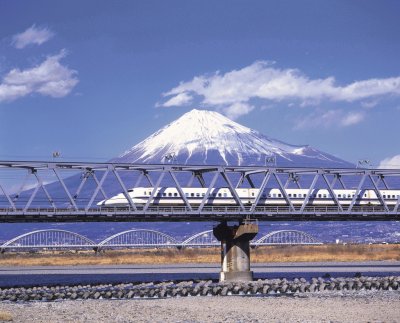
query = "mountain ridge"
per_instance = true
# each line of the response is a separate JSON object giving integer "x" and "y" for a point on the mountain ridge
{"x": 207, "y": 137}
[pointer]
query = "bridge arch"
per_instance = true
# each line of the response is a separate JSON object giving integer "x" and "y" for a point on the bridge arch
{"x": 143, "y": 238}
{"x": 201, "y": 239}
{"x": 49, "y": 238}
{"x": 287, "y": 237}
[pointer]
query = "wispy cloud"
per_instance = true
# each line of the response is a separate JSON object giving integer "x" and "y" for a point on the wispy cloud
{"x": 237, "y": 109}
{"x": 390, "y": 162}
{"x": 263, "y": 81}
{"x": 178, "y": 100}
{"x": 329, "y": 118}
{"x": 352, "y": 118}
{"x": 50, "y": 78}
{"x": 33, "y": 35}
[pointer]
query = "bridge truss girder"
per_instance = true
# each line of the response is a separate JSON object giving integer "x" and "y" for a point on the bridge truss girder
{"x": 13, "y": 208}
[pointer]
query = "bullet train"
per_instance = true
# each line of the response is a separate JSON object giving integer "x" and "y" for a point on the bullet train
{"x": 165, "y": 196}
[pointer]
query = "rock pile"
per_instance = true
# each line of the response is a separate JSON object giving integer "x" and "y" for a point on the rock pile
{"x": 198, "y": 288}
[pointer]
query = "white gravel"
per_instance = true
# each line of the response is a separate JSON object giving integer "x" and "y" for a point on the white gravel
{"x": 363, "y": 306}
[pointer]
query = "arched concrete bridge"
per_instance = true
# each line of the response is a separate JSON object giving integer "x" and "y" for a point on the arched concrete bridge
{"x": 141, "y": 238}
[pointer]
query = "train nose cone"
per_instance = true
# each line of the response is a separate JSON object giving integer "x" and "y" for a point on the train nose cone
{"x": 101, "y": 203}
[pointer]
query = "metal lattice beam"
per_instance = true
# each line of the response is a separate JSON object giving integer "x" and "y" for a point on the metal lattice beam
{"x": 32, "y": 204}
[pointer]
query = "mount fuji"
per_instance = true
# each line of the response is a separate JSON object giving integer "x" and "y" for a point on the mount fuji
{"x": 202, "y": 137}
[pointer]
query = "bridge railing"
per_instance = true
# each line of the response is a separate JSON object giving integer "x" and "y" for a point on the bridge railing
{"x": 208, "y": 209}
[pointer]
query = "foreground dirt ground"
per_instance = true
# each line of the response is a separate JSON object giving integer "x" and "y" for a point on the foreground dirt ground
{"x": 203, "y": 255}
{"x": 363, "y": 306}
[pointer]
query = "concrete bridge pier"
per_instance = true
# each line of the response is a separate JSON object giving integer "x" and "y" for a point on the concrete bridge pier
{"x": 235, "y": 250}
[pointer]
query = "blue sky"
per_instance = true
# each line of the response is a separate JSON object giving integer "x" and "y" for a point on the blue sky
{"x": 92, "y": 78}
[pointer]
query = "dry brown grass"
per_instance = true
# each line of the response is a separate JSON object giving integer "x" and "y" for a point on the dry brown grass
{"x": 205, "y": 255}
{"x": 5, "y": 316}
{"x": 326, "y": 253}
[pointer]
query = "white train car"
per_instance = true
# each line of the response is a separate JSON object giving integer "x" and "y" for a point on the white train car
{"x": 270, "y": 196}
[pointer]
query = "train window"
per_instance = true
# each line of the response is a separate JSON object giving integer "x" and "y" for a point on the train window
{"x": 294, "y": 195}
{"x": 175, "y": 194}
{"x": 384, "y": 196}
{"x": 169, "y": 194}
{"x": 252, "y": 194}
{"x": 279, "y": 195}
{"x": 158, "y": 194}
{"x": 203, "y": 194}
{"x": 324, "y": 196}
{"x": 191, "y": 194}
{"x": 219, "y": 194}
{"x": 187, "y": 194}
{"x": 197, "y": 194}
{"x": 339, "y": 195}
{"x": 131, "y": 190}
{"x": 225, "y": 195}
{"x": 269, "y": 195}
{"x": 164, "y": 194}
{"x": 393, "y": 196}
{"x": 304, "y": 195}
{"x": 319, "y": 195}
{"x": 290, "y": 195}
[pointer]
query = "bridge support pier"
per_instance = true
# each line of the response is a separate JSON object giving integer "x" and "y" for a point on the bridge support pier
{"x": 235, "y": 250}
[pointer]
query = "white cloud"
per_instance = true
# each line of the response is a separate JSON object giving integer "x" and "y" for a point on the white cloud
{"x": 262, "y": 81}
{"x": 329, "y": 118}
{"x": 369, "y": 104}
{"x": 50, "y": 78}
{"x": 33, "y": 35}
{"x": 390, "y": 162}
{"x": 178, "y": 100}
{"x": 236, "y": 110}
{"x": 352, "y": 118}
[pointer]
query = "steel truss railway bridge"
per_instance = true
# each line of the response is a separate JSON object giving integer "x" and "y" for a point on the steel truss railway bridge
{"x": 66, "y": 191}
{"x": 53, "y": 239}
{"x": 62, "y": 191}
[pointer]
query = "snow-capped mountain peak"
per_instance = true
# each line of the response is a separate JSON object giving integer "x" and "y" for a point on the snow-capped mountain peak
{"x": 207, "y": 137}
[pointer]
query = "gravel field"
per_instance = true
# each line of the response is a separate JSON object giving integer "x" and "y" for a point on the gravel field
{"x": 361, "y": 306}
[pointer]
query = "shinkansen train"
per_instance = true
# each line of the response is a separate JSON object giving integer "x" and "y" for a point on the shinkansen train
{"x": 222, "y": 196}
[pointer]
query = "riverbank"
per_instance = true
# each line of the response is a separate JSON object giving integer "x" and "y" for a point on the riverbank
{"x": 192, "y": 288}
{"x": 361, "y": 306}
{"x": 327, "y": 253}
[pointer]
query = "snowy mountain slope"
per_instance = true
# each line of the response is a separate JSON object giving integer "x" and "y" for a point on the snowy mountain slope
{"x": 207, "y": 137}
